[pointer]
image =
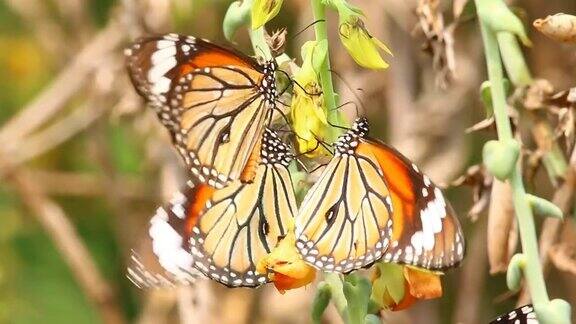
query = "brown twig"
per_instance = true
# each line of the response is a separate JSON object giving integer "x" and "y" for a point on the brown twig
{"x": 86, "y": 184}
{"x": 47, "y": 32}
{"x": 59, "y": 132}
{"x": 472, "y": 278}
{"x": 560, "y": 257}
{"x": 67, "y": 84}
{"x": 76, "y": 12}
{"x": 56, "y": 224}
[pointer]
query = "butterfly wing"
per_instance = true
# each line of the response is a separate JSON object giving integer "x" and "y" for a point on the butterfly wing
{"x": 372, "y": 203}
{"x": 213, "y": 100}
{"x": 426, "y": 232}
{"x": 226, "y": 231}
{"x": 344, "y": 221}
{"x": 521, "y": 315}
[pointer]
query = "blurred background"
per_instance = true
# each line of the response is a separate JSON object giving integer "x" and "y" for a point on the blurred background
{"x": 83, "y": 164}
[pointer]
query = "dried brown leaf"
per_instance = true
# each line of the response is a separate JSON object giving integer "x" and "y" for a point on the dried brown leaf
{"x": 563, "y": 257}
{"x": 500, "y": 226}
{"x": 564, "y": 98}
{"x": 458, "y": 7}
{"x": 484, "y": 124}
{"x": 439, "y": 40}
{"x": 566, "y": 126}
{"x": 559, "y": 27}
{"x": 537, "y": 94}
{"x": 480, "y": 181}
{"x": 277, "y": 41}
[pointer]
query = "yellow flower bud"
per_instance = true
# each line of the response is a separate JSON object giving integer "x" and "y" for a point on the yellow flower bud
{"x": 263, "y": 11}
{"x": 308, "y": 112}
{"x": 363, "y": 48}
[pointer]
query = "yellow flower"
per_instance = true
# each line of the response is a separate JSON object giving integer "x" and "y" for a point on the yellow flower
{"x": 284, "y": 265}
{"x": 363, "y": 48}
{"x": 308, "y": 112}
{"x": 396, "y": 287}
{"x": 263, "y": 11}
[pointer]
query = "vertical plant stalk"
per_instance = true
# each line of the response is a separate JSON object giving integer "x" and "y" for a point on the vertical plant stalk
{"x": 336, "y": 287}
{"x": 259, "y": 43}
{"x": 321, "y": 33}
{"x": 514, "y": 59}
{"x": 532, "y": 270}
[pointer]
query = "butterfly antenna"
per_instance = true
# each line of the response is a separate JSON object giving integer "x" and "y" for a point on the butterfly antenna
{"x": 304, "y": 29}
{"x": 321, "y": 165}
{"x": 347, "y": 103}
{"x": 351, "y": 90}
{"x": 309, "y": 151}
{"x": 323, "y": 143}
{"x": 292, "y": 82}
{"x": 286, "y": 120}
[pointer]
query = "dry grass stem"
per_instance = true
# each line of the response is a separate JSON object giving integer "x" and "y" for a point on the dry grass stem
{"x": 56, "y": 224}
{"x": 64, "y": 87}
{"x": 64, "y": 183}
{"x": 562, "y": 256}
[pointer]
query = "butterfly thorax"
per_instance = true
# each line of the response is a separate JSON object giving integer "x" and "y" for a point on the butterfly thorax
{"x": 268, "y": 84}
{"x": 273, "y": 150}
{"x": 347, "y": 142}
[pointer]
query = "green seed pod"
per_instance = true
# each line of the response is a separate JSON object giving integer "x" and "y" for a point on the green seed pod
{"x": 500, "y": 157}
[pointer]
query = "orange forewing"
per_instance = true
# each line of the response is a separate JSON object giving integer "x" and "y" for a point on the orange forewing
{"x": 212, "y": 58}
{"x": 399, "y": 183}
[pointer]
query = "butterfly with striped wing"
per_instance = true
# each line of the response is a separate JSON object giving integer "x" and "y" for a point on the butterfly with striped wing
{"x": 223, "y": 233}
{"x": 372, "y": 203}
{"x": 521, "y": 315}
{"x": 214, "y": 101}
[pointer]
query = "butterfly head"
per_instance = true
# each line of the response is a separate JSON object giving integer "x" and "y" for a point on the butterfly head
{"x": 348, "y": 141}
{"x": 360, "y": 127}
{"x": 273, "y": 150}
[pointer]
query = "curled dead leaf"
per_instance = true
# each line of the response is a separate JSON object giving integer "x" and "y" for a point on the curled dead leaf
{"x": 537, "y": 94}
{"x": 501, "y": 227}
{"x": 480, "y": 181}
{"x": 277, "y": 41}
{"x": 563, "y": 256}
{"x": 564, "y": 98}
{"x": 439, "y": 40}
{"x": 559, "y": 27}
{"x": 484, "y": 124}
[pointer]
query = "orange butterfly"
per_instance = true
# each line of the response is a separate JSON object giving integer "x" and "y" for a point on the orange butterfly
{"x": 372, "y": 203}
{"x": 214, "y": 101}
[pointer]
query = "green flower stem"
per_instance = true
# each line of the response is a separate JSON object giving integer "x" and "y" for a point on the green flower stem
{"x": 519, "y": 73}
{"x": 321, "y": 32}
{"x": 337, "y": 288}
{"x": 513, "y": 59}
{"x": 259, "y": 43}
{"x": 533, "y": 271}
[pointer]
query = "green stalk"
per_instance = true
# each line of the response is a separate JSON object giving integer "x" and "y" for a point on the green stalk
{"x": 532, "y": 271}
{"x": 513, "y": 58}
{"x": 321, "y": 33}
{"x": 518, "y": 72}
{"x": 337, "y": 288}
{"x": 259, "y": 43}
